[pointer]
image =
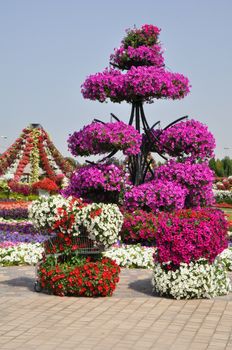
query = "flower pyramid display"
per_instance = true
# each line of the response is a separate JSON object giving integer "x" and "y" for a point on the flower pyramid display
{"x": 33, "y": 148}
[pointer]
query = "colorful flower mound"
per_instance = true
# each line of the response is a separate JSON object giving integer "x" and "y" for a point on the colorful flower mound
{"x": 86, "y": 278}
{"x": 97, "y": 183}
{"x": 155, "y": 196}
{"x": 137, "y": 84}
{"x": 195, "y": 280}
{"x": 188, "y": 138}
{"x": 197, "y": 179}
{"x": 139, "y": 227}
{"x": 189, "y": 235}
{"x": 99, "y": 138}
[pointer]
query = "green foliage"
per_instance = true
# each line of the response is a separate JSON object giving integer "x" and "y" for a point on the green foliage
{"x": 4, "y": 188}
{"x": 18, "y": 196}
{"x": 221, "y": 167}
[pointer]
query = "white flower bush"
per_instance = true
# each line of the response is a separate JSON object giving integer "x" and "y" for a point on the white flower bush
{"x": 195, "y": 280}
{"x": 21, "y": 254}
{"x": 132, "y": 256}
{"x": 103, "y": 223}
{"x": 226, "y": 258}
{"x": 43, "y": 211}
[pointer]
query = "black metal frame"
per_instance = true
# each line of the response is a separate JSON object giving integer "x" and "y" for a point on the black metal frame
{"x": 139, "y": 165}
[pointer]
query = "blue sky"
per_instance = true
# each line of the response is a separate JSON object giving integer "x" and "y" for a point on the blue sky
{"x": 48, "y": 47}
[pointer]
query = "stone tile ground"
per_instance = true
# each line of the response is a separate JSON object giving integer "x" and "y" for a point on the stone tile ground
{"x": 131, "y": 319}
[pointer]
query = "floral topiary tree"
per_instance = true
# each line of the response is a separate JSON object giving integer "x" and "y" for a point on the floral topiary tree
{"x": 189, "y": 238}
{"x": 144, "y": 79}
{"x": 164, "y": 206}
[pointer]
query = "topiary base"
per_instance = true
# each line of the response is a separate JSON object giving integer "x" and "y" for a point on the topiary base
{"x": 80, "y": 277}
{"x": 192, "y": 281}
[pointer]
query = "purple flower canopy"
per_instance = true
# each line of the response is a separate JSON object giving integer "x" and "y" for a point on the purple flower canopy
{"x": 188, "y": 139}
{"x": 140, "y": 56}
{"x": 100, "y": 138}
{"x": 101, "y": 178}
{"x": 137, "y": 84}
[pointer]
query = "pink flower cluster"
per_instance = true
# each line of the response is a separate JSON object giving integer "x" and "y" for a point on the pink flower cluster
{"x": 190, "y": 139}
{"x": 197, "y": 179}
{"x": 189, "y": 235}
{"x": 146, "y": 35}
{"x": 94, "y": 179}
{"x": 159, "y": 195}
{"x": 137, "y": 84}
{"x": 139, "y": 226}
{"x": 124, "y": 58}
{"x": 98, "y": 138}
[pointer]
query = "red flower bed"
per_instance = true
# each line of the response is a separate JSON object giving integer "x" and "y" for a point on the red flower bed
{"x": 85, "y": 278}
{"x": 188, "y": 235}
{"x": 46, "y": 184}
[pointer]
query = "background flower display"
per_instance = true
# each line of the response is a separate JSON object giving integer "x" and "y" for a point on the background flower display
{"x": 46, "y": 184}
{"x": 35, "y": 148}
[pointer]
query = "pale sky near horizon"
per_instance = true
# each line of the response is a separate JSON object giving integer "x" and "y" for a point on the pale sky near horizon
{"x": 48, "y": 47}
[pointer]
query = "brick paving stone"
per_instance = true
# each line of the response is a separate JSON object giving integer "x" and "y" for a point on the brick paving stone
{"x": 132, "y": 319}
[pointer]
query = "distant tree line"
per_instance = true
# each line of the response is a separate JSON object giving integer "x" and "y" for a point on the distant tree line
{"x": 221, "y": 167}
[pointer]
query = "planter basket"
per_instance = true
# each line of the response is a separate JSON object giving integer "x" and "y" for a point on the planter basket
{"x": 82, "y": 244}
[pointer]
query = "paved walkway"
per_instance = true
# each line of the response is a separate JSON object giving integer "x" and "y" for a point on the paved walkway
{"x": 132, "y": 319}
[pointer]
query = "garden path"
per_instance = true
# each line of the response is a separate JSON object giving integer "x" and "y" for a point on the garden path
{"x": 131, "y": 319}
